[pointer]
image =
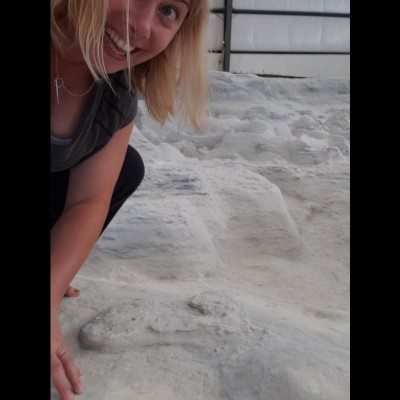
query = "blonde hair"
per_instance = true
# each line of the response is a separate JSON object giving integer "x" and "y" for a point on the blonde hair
{"x": 175, "y": 79}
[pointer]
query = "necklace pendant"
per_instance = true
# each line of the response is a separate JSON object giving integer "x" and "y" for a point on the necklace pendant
{"x": 58, "y": 83}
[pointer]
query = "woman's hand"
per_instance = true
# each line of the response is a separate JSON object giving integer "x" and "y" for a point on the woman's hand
{"x": 65, "y": 374}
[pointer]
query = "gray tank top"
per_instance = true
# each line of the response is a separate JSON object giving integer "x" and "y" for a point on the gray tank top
{"x": 107, "y": 113}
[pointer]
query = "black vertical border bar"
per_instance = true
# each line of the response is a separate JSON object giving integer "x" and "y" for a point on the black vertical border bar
{"x": 227, "y": 34}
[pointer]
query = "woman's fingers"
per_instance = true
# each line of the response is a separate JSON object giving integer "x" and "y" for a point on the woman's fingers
{"x": 66, "y": 376}
{"x": 61, "y": 381}
{"x": 72, "y": 373}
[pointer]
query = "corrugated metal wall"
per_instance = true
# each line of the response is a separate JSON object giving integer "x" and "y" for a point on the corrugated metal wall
{"x": 303, "y": 45}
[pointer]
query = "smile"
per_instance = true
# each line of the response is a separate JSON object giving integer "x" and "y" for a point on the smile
{"x": 118, "y": 43}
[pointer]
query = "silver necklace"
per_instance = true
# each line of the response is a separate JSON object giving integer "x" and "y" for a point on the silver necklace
{"x": 59, "y": 84}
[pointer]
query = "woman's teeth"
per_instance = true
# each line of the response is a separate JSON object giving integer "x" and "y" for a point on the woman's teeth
{"x": 118, "y": 41}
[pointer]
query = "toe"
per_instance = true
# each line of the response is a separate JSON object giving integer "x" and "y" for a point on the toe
{"x": 72, "y": 292}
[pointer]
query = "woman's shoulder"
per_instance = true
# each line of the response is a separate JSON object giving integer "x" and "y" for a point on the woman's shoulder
{"x": 121, "y": 99}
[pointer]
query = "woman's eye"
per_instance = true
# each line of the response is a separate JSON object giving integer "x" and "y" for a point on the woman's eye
{"x": 169, "y": 12}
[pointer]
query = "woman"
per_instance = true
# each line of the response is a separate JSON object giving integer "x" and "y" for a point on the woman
{"x": 102, "y": 53}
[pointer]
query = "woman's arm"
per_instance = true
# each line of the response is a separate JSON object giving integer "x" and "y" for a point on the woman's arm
{"x": 73, "y": 236}
{"x": 91, "y": 185}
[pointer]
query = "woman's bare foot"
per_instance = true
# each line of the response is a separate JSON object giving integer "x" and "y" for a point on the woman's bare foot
{"x": 72, "y": 292}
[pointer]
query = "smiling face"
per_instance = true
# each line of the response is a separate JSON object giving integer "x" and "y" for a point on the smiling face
{"x": 152, "y": 24}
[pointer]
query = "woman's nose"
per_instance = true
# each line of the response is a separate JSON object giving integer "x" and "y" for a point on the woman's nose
{"x": 142, "y": 22}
